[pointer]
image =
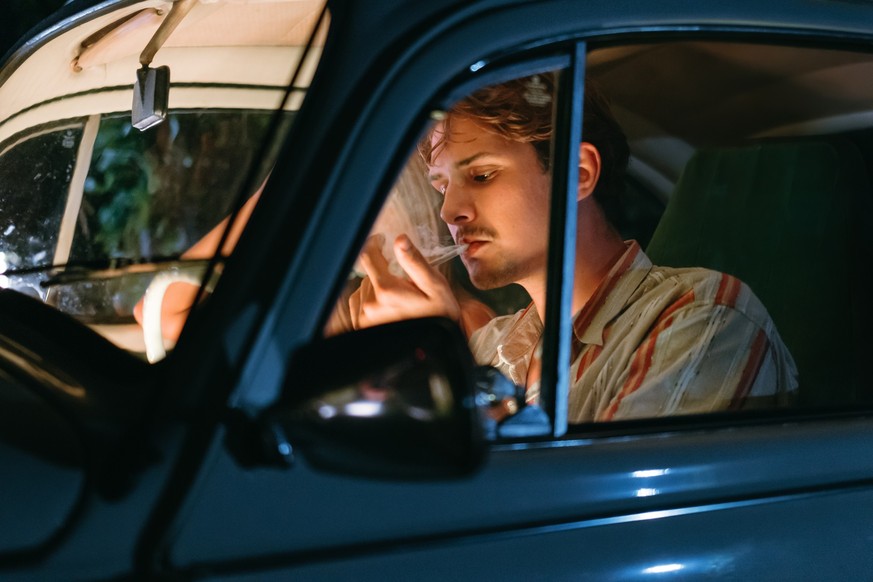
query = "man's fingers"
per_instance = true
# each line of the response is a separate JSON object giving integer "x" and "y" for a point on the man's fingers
{"x": 383, "y": 297}
{"x": 366, "y": 291}
{"x": 420, "y": 272}
{"x": 427, "y": 279}
{"x": 355, "y": 307}
{"x": 360, "y": 301}
{"x": 374, "y": 262}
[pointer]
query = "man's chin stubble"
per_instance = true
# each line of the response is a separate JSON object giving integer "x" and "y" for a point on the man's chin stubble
{"x": 490, "y": 279}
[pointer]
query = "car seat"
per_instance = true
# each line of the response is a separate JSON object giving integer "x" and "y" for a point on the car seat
{"x": 788, "y": 218}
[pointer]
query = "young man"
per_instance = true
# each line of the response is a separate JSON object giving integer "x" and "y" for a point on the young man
{"x": 648, "y": 341}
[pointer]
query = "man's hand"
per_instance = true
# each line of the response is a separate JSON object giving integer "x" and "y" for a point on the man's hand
{"x": 383, "y": 297}
{"x": 175, "y": 308}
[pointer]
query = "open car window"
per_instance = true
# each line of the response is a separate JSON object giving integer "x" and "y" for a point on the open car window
{"x": 761, "y": 155}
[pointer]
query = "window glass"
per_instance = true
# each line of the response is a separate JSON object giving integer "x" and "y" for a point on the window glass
{"x": 146, "y": 196}
{"x": 759, "y": 158}
{"x": 722, "y": 249}
{"x": 156, "y": 193}
{"x": 473, "y": 202}
{"x": 36, "y": 171}
{"x": 97, "y": 212}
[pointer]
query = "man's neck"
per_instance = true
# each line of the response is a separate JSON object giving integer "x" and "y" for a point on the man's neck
{"x": 598, "y": 248}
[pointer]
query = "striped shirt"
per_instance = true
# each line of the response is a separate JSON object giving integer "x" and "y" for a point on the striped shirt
{"x": 655, "y": 341}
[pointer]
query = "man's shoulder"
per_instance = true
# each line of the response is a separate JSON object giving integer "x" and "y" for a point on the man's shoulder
{"x": 687, "y": 276}
{"x": 699, "y": 287}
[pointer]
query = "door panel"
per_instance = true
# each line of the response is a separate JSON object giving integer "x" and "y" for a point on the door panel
{"x": 744, "y": 542}
{"x": 239, "y": 515}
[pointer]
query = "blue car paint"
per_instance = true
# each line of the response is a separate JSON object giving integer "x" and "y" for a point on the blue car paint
{"x": 780, "y": 499}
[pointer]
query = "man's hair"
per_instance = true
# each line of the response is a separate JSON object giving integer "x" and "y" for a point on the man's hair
{"x": 522, "y": 110}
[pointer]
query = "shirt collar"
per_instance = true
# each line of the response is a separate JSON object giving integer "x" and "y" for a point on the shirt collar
{"x": 612, "y": 294}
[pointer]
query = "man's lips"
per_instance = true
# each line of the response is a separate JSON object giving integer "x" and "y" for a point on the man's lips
{"x": 473, "y": 245}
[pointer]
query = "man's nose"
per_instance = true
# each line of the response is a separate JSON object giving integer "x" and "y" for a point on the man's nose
{"x": 458, "y": 207}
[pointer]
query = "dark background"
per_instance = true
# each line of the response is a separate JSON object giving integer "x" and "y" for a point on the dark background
{"x": 19, "y": 16}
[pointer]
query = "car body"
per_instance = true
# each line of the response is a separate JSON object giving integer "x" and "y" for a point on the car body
{"x": 208, "y": 464}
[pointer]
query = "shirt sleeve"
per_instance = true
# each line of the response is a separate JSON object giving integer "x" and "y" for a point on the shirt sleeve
{"x": 703, "y": 358}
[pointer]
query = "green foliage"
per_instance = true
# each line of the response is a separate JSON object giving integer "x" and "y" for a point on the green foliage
{"x": 155, "y": 193}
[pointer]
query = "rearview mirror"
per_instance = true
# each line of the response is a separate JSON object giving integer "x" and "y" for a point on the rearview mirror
{"x": 393, "y": 401}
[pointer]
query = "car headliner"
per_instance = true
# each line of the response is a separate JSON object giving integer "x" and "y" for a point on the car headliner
{"x": 702, "y": 93}
{"x": 220, "y": 56}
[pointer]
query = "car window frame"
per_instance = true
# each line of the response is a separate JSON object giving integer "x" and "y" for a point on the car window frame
{"x": 311, "y": 324}
{"x": 734, "y": 419}
{"x": 568, "y": 61}
{"x": 557, "y": 333}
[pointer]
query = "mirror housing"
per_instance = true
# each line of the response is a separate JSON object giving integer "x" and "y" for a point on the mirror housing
{"x": 395, "y": 401}
{"x": 151, "y": 97}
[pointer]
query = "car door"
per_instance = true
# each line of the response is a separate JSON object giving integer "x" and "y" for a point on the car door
{"x": 711, "y": 495}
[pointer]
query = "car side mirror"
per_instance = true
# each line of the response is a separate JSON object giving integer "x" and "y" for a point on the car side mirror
{"x": 393, "y": 401}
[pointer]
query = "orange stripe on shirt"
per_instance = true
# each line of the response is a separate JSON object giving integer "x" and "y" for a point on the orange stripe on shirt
{"x": 760, "y": 345}
{"x": 587, "y": 360}
{"x": 728, "y": 291}
{"x": 639, "y": 368}
{"x": 643, "y": 359}
{"x": 667, "y": 315}
{"x": 583, "y": 320}
{"x": 592, "y": 353}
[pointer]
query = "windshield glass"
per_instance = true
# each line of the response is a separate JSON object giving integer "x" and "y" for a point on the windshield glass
{"x": 95, "y": 209}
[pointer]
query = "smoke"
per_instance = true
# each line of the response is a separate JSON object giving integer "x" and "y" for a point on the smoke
{"x": 412, "y": 208}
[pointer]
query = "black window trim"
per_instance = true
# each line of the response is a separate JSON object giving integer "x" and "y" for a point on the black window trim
{"x": 562, "y": 243}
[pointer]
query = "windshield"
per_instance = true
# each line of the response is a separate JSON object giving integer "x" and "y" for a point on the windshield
{"x": 146, "y": 197}
{"x": 93, "y": 208}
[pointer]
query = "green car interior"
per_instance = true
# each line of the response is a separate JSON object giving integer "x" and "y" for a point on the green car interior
{"x": 759, "y": 156}
{"x": 774, "y": 214}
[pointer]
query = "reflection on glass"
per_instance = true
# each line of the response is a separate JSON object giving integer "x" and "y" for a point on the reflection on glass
{"x": 663, "y": 568}
{"x": 156, "y": 193}
{"x": 36, "y": 173}
{"x": 648, "y": 473}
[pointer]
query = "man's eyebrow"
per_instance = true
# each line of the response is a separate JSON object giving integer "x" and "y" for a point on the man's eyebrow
{"x": 471, "y": 159}
{"x": 461, "y": 164}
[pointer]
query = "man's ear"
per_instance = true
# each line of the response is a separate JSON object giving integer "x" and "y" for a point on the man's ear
{"x": 589, "y": 169}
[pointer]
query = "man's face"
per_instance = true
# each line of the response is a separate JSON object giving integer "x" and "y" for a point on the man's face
{"x": 495, "y": 199}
